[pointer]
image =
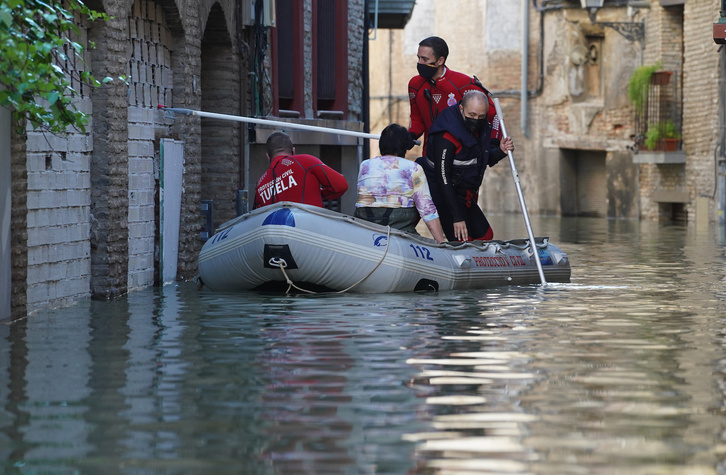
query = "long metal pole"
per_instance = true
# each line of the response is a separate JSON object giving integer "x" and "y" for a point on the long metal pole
{"x": 271, "y": 123}
{"x": 517, "y": 185}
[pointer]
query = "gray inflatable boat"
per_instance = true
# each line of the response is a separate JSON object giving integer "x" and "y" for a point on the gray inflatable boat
{"x": 290, "y": 245}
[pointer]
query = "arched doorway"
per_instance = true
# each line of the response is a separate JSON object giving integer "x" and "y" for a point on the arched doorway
{"x": 220, "y": 78}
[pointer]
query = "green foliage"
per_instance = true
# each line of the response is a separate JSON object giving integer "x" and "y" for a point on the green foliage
{"x": 639, "y": 83}
{"x": 659, "y": 131}
{"x": 652, "y": 136}
{"x": 670, "y": 130}
{"x": 35, "y": 38}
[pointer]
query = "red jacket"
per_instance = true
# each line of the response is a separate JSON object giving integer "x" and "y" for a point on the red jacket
{"x": 299, "y": 178}
{"x": 428, "y": 100}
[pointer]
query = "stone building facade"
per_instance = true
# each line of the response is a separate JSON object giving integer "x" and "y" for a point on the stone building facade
{"x": 84, "y": 210}
{"x": 579, "y": 150}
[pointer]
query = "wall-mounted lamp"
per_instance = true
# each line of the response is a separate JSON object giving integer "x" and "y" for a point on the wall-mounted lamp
{"x": 592, "y": 6}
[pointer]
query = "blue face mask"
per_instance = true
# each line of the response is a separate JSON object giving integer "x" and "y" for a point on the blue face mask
{"x": 427, "y": 71}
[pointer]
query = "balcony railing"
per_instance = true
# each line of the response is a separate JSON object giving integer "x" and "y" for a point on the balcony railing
{"x": 658, "y": 124}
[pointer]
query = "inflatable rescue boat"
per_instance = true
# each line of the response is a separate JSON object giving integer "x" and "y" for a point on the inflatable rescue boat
{"x": 288, "y": 245}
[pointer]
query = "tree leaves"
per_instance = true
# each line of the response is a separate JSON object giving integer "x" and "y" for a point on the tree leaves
{"x": 36, "y": 68}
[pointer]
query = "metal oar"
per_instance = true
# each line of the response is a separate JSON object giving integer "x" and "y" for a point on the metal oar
{"x": 515, "y": 175}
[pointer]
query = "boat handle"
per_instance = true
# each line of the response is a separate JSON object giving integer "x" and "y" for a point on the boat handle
{"x": 275, "y": 261}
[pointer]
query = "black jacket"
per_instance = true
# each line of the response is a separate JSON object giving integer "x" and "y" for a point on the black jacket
{"x": 456, "y": 159}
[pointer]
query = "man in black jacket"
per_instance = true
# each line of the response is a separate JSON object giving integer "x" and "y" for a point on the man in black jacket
{"x": 460, "y": 148}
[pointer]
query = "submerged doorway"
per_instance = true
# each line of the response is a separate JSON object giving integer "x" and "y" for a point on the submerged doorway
{"x": 583, "y": 182}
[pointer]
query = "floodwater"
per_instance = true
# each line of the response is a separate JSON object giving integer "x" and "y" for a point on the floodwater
{"x": 622, "y": 371}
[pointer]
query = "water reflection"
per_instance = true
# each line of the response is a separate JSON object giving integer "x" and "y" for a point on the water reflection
{"x": 621, "y": 371}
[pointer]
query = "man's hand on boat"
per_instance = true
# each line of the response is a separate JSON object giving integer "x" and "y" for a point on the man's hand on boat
{"x": 460, "y": 231}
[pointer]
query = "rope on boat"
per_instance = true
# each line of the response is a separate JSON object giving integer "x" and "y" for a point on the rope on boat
{"x": 500, "y": 249}
{"x": 281, "y": 262}
{"x": 508, "y": 244}
{"x": 290, "y": 284}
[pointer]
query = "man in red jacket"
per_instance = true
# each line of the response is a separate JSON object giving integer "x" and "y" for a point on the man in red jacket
{"x": 299, "y": 178}
{"x": 436, "y": 87}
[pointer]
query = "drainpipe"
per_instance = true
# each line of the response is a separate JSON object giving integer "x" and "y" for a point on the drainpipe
{"x": 243, "y": 50}
{"x": 720, "y": 152}
{"x": 525, "y": 65}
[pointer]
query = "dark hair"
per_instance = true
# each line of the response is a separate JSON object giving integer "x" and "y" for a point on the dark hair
{"x": 395, "y": 140}
{"x": 279, "y": 143}
{"x": 438, "y": 45}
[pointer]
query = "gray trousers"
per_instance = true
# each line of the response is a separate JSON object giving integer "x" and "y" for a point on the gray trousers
{"x": 404, "y": 219}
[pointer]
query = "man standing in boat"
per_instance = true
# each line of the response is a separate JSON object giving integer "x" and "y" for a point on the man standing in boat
{"x": 459, "y": 150}
{"x": 437, "y": 87}
{"x": 298, "y": 178}
{"x": 393, "y": 191}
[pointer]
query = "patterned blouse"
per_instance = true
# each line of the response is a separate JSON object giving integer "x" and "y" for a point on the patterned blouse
{"x": 394, "y": 182}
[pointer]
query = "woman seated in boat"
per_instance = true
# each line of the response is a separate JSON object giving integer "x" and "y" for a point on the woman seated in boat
{"x": 393, "y": 191}
{"x": 298, "y": 178}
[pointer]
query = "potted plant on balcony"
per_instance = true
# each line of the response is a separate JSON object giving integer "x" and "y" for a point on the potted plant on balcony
{"x": 638, "y": 85}
{"x": 662, "y": 137}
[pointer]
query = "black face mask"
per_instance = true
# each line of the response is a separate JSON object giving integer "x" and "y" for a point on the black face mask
{"x": 427, "y": 71}
{"x": 473, "y": 125}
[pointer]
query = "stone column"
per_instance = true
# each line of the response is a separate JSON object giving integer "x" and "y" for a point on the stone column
{"x": 109, "y": 163}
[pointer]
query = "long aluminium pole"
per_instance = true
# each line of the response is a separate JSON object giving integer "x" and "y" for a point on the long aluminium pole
{"x": 518, "y": 185}
{"x": 271, "y": 123}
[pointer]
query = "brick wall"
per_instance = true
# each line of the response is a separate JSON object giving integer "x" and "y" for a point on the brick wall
{"x": 58, "y": 207}
{"x": 151, "y": 83}
{"x": 676, "y": 36}
{"x": 58, "y": 225}
{"x": 186, "y": 64}
{"x": 308, "y": 57}
{"x": 142, "y": 196}
{"x": 701, "y": 84}
{"x": 356, "y": 30}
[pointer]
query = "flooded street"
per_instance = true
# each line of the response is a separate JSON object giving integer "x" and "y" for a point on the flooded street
{"x": 622, "y": 371}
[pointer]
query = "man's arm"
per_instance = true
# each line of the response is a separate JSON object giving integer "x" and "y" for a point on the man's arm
{"x": 417, "y": 125}
{"x": 332, "y": 183}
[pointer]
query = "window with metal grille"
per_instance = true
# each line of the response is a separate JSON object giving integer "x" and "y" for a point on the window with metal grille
{"x": 658, "y": 124}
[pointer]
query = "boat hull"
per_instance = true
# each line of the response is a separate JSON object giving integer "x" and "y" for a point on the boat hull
{"x": 289, "y": 242}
